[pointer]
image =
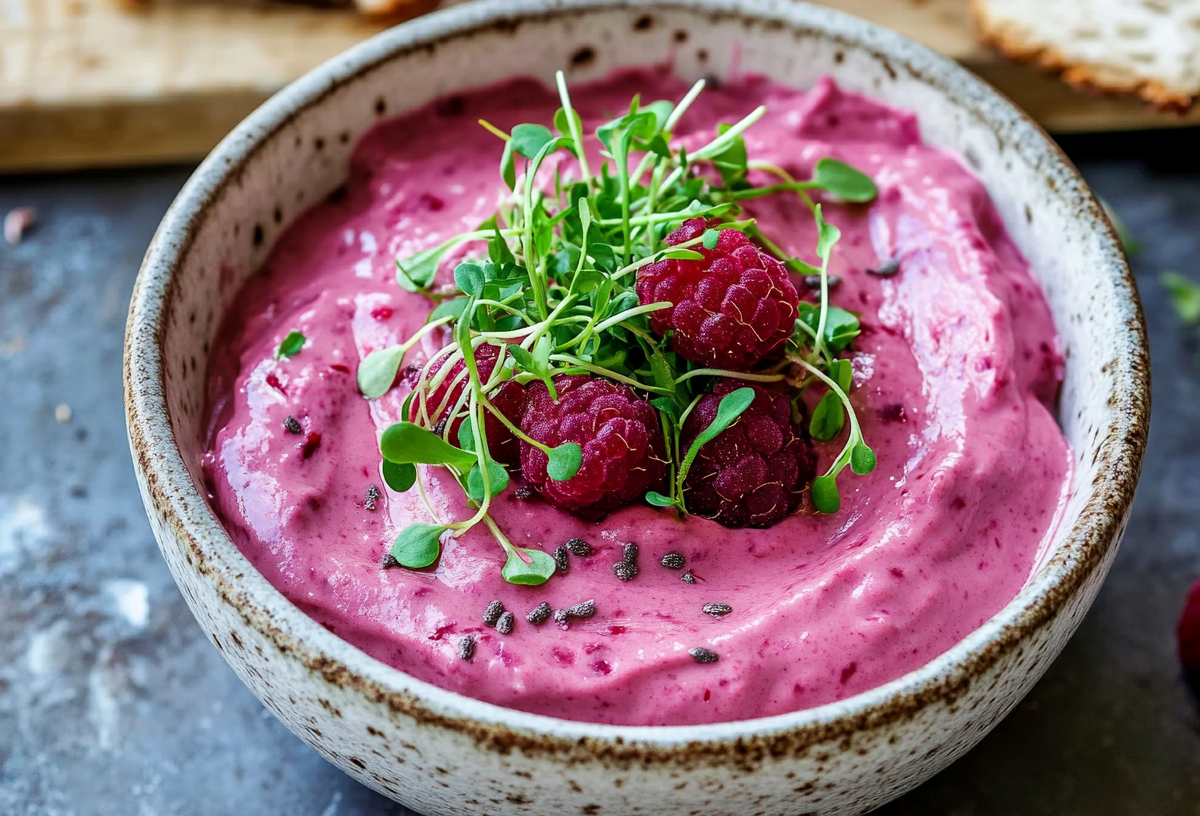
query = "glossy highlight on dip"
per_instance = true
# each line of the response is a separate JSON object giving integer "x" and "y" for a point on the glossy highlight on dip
{"x": 954, "y": 373}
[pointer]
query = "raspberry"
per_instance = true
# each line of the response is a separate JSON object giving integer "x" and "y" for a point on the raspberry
{"x": 509, "y": 399}
{"x": 1188, "y": 632}
{"x": 729, "y": 310}
{"x": 622, "y": 442}
{"x": 755, "y": 471}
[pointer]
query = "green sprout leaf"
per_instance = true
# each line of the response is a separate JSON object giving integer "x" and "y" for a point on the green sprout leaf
{"x": 659, "y": 500}
{"x": 453, "y": 307}
{"x": 825, "y": 495}
{"x": 416, "y": 272}
{"x": 497, "y": 477}
{"x": 732, "y": 406}
{"x": 862, "y": 459}
{"x": 418, "y": 545}
{"x": 1185, "y": 297}
{"x": 508, "y": 165}
{"x": 527, "y": 140}
{"x": 535, "y": 573}
{"x": 710, "y": 238}
{"x": 842, "y": 373}
{"x": 844, "y": 181}
{"x": 290, "y": 346}
{"x": 565, "y": 461}
{"x": 377, "y": 371}
{"x": 828, "y": 418}
{"x": 563, "y": 125}
{"x": 399, "y": 477}
{"x": 406, "y": 443}
{"x": 468, "y": 276}
{"x": 827, "y": 236}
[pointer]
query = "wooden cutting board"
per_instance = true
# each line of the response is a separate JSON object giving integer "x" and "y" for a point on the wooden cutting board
{"x": 88, "y": 83}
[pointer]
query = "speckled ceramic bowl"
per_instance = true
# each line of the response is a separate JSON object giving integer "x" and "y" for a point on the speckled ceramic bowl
{"x": 439, "y": 752}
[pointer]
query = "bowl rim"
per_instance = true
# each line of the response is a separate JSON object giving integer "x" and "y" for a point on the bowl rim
{"x": 171, "y": 495}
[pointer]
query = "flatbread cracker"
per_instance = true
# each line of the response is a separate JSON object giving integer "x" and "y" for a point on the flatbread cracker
{"x": 1149, "y": 47}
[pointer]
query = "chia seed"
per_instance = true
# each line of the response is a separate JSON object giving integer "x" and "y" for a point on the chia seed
{"x": 814, "y": 281}
{"x": 525, "y": 493}
{"x": 389, "y": 561}
{"x": 539, "y": 615}
{"x": 629, "y": 553}
{"x": 585, "y": 609}
{"x": 673, "y": 560}
{"x": 439, "y": 427}
{"x": 372, "y": 497}
{"x": 717, "y": 610}
{"x": 466, "y": 647}
{"x": 703, "y": 655}
{"x": 292, "y": 425}
{"x": 887, "y": 269}
{"x": 560, "y": 558}
{"x": 688, "y": 578}
{"x": 580, "y": 610}
{"x": 577, "y": 546}
{"x": 493, "y": 612}
{"x": 626, "y": 570}
{"x": 505, "y": 624}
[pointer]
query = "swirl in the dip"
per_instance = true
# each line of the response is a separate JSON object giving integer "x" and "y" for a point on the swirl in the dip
{"x": 955, "y": 376}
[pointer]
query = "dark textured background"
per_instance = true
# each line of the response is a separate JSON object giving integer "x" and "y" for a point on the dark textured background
{"x": 112, "y": 701}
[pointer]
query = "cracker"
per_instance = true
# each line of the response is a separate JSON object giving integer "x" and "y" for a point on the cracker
{"x": 1148, "y": 47}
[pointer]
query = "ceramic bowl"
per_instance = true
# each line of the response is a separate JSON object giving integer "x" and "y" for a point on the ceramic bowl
{"x": 439, "y": 752}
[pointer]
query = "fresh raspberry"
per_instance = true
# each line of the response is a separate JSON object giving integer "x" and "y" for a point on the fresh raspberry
{"x": 509, "y": 399}
{"x": 622, "y": 442}
{"x": 755, "y": 471}
{"x": 1188, "y": 632}
{"x": 729, "y": 310}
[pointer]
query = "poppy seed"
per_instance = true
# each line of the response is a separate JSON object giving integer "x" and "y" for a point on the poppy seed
{"x": 466, "y": 647}
{"x": 292, "y": 425}
{"x": 717, "y": 610}
{"x": 703, "y": 655}
{"x": 688, "y": 578}
{"x": 560, "y": 558}
{"x": 371, "y": 498}
{"x": 505, "y": 624}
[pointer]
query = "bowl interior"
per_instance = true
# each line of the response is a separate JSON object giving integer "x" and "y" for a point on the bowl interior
{"x": 294, "y": 151}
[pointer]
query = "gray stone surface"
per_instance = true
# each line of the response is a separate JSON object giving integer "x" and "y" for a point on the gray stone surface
{"x": 112, "y": 701}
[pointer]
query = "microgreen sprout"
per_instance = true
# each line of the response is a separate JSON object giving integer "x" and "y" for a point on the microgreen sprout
{"x": 549, "y": 285}
{"x": 291, "y": 345}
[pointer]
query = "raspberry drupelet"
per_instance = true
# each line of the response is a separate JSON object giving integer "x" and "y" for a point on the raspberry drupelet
{"x": 509, "y": 399}
{"x": 729, "y": 310}
{"x": 754, "y": 472}
{"x": 620, "y": 435}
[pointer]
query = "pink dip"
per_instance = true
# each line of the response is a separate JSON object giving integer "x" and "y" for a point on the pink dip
{"x": 955, "y": 374}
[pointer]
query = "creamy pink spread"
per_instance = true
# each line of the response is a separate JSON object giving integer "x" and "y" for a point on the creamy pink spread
{"x": 956, "y": 374}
